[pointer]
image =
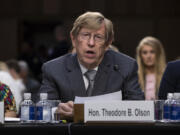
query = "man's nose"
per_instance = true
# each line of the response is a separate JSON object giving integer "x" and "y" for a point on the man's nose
{"x": 91, "y": 41}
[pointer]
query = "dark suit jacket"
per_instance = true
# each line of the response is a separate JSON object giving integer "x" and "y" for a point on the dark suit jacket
{"x": 170, "y": 82}
{"x": 62, "y": 77}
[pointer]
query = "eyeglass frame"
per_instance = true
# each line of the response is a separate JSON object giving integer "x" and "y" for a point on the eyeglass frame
{"x": 86, "y": 36}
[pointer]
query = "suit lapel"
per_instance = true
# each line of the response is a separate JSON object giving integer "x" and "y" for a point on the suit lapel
{"x": 101, "y": 80}
{"x": 75, "y": 77}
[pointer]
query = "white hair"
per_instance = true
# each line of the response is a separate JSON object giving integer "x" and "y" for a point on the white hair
{"x": 23, "y": 65}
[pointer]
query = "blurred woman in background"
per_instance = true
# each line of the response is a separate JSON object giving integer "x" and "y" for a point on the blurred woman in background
{"x": 151, "y": 61}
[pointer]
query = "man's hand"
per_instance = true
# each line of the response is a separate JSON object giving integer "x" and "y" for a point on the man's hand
{"x": 66, "y": 110}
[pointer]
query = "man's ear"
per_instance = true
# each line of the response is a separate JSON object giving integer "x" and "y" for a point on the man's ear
{"x": 108, "y": 44}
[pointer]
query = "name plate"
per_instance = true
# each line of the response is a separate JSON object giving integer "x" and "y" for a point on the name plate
{"x": 1, "y": 111}
{"x": 118, "y": 111}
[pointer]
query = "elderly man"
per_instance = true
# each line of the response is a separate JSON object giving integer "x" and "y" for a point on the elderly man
{"x": 93, "y": 69}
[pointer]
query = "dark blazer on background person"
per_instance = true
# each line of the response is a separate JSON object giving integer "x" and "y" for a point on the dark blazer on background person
{"x": 170, "y": 82}
{"x": 63, "y": 79}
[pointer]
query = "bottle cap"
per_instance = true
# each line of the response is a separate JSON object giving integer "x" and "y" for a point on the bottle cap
{"x": 176, "y": 96}
{"x": 43, "y": 96}
{"x": 27, "y": 96}
{"x": 170, "y": 95}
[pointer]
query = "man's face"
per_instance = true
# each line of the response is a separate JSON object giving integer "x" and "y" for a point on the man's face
{"x": 148, "y": 56}
{"x": 90, "y": 46}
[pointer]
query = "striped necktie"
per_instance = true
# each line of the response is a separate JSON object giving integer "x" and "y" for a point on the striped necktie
{"x": 90, "y": 75}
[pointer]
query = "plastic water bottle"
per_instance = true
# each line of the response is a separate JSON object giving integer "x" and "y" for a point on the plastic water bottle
{"x": 175, "y": 108}
{"x": 167, "y": 108}
{"x": 43, "y": 109}
{"x": 27, "y": 109}
{"x": 178, "y": 106}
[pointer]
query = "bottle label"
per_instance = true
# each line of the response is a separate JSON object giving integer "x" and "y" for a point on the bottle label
{"x": 174, "y": 112}
{"x": 39, "y": 113}
{"x": 31, "y": 113}
{"x": 178, "y": 115}
{"x": 167, "y": 111}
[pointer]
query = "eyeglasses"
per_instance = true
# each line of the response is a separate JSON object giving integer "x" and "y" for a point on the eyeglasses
{"x": 87, "y": 36}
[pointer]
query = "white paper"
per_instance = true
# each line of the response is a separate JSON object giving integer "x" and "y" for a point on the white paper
{"x": 11, "y": 119}
{"x": 105, "y": 97}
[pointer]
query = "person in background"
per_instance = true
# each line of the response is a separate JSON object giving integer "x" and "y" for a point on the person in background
{"x": 31, "y": 84}
{"x": 7, "y": 79}
{"x": 151, "y": 64}
{"x": 93, "y": 69}
{"x": 29, "y": 54}
{"x": 170, "y": 82}
{"x": 9, "y": 102}
{"x": 62, "y": 46}
{"x": 14, "y": 70}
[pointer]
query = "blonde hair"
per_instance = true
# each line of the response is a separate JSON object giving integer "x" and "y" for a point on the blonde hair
{"x": 160, "y": 61}
{"x": 93, "y": 20}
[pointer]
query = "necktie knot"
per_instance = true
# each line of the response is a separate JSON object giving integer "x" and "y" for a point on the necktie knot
{"x": 90, "y": 75}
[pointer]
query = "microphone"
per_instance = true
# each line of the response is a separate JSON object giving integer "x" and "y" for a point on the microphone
{"x": 116, "y": 67}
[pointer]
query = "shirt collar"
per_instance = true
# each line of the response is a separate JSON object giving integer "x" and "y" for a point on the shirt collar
{"x": 84, "y": 69}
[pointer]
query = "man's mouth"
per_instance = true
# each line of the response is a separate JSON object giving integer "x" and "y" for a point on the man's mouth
{"x": 90, "y": 54}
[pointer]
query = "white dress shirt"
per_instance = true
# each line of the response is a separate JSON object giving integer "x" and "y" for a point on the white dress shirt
{"x": 84, "y": 70}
